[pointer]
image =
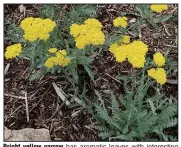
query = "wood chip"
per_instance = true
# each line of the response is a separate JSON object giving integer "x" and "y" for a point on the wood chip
{"x": 166, "y": 30}
{"x": 172, "y": 11}
{"x": 14, "y": 96}
{"x": 6, "y": 68}
{"x": 75, "y": 113}
{"x": 6, "y": 80}
{"x": 172, "y": 81}
{"x": 27, "y": 109}
{"x": 58, "y": 139}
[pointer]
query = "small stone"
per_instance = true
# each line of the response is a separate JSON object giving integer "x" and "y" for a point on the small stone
{"x": 27, "y": 134}
{"x": 8, "y": 134}
{"x": 132, "y": 20}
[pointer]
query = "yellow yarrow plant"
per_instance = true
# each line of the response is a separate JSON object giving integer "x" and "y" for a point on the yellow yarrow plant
{"x": 13, "y": 51}
{"x": 37, "y": 28}
{"x": 89, "y": 33}
{"x": 159, "y": 59}
{"x": 158, "y": 74}
{"x": 158, "y": 8}
{"x": 120, "y": 22}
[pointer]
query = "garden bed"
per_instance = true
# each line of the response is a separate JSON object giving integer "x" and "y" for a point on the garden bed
{"x": 75, "y": 122}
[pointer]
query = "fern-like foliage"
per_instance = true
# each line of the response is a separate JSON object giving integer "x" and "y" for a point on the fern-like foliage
{"x": 136, "y": 117}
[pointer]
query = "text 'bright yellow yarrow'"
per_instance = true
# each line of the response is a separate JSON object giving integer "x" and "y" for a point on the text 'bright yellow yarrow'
{"x": 158, "y": 8}
{"x": 37, "y": 28}
{"x": 89, "y": 33}
{"x": 13, "y": 51}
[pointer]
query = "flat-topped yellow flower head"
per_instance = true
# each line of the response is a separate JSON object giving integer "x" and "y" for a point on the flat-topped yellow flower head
{"x": 52, "y": 50}
{"x": 13, "y": 51}
{"x": 158, "y": 8}
{"x": 125, "y": 39}
{"x": 158, "y": 74}
{"x": 50, "y": 62}
{"x": 120, "y": 22}
{"x": 151, "y": 72}
{"x": 134, "y": 52}
{"x": 88, "y": 33}
{"x": 37, "y": 28}
{"x": 75, "y": 30}
{"x": 93, "y": 23}
{"x": 60, "y": 59}
{"x": 159, "y": 59}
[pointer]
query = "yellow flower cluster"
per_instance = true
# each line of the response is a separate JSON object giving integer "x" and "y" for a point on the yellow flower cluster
{"x": 60, "y": 59}
{"x": 52, "y": 50}
{"x": 135, "y": 53}
{"x": 158, "y": 74}
{"x": 13, "y": 51}
{"x": 120, "y": 22}
{"x": 158, "y": 8}
{"x": 159, "y": 59}
{"x": 37, "y": 28}
{"x": 125, "y": 39}
{"x": 87, "y": 33}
